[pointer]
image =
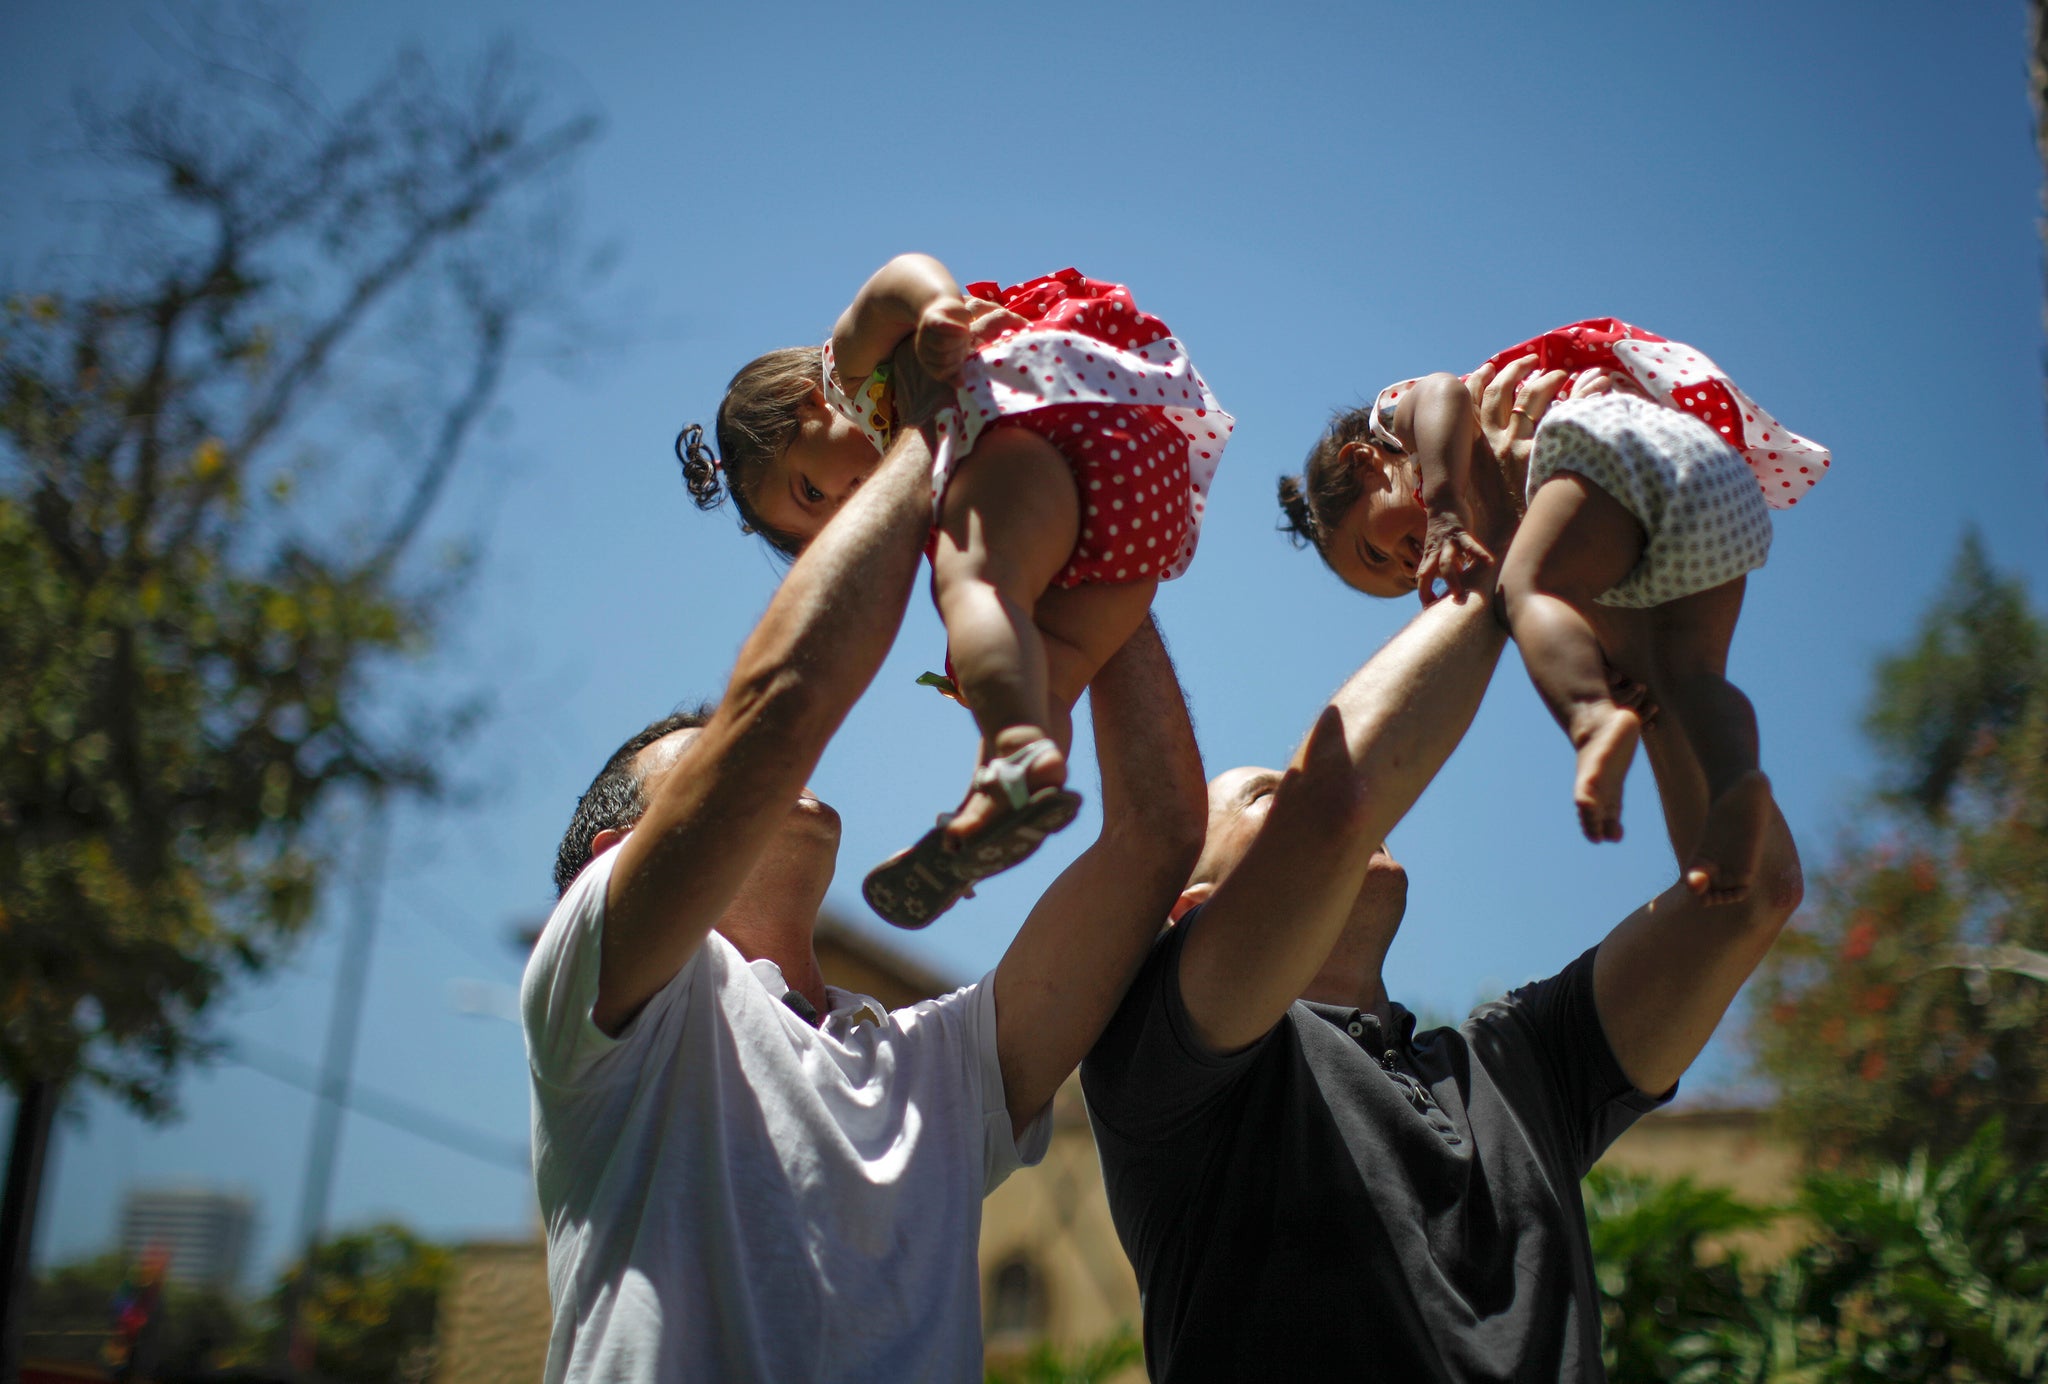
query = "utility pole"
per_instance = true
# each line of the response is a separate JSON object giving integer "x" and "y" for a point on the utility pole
{"x": 337, "y": 1069}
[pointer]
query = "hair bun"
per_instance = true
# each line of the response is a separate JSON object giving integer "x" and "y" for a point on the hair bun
{"x": 701, "y": 471}
{"x": 1295, "y": 519}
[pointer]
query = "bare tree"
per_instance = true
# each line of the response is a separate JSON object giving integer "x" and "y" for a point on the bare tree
{"x": 223, "y": 431}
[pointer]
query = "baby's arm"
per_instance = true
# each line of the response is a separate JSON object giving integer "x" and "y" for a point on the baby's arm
{"x": 1439, "y": 425}
{"x": 910, "y": 294}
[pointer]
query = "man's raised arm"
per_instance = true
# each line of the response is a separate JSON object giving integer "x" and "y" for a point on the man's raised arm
{"x": 1668, "y": 972}
{"x": 709, "y": 817}
{"x": 1275, "y": 917}
{"x": 1074, "y": 957}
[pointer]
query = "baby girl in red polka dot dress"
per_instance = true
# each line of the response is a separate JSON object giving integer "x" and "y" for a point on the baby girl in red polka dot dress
{"x": 1073, "y": 444}
{"x": 1650, "y": 488}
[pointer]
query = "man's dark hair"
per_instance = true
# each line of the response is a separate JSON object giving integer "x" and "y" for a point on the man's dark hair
{"x": 613, "y": 801}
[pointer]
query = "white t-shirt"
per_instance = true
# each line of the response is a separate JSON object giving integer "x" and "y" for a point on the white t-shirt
{"x": 732, "y": 1194}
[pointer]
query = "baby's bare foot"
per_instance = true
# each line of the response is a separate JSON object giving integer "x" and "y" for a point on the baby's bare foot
{"x": 1045, "y": 769}
{"x": 1604, "y": 756}
{"x": 1722, "y": 867}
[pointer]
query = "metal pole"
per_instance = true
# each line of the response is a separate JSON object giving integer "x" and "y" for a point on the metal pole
{"x": 337, "y": 1069}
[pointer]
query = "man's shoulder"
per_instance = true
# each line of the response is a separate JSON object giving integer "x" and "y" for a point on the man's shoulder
{"x": 1541, "y": 1003}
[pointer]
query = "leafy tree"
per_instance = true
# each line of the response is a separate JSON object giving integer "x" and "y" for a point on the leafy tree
{"x": 226, "y": 415}
{"x": 1909, "y": 1004}
{"x": 370, "y": 1312}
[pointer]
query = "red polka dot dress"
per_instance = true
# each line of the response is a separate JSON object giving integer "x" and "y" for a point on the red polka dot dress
{"x": 1786, "y": 465}
{"x": 1692, "y": 457}
{"x": 1114, "y": 391}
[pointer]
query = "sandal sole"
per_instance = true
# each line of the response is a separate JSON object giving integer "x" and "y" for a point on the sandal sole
{"x": 916, "y": 885}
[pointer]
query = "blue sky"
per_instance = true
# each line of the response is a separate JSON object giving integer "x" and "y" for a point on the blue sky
{"x": 1836, "y": 201}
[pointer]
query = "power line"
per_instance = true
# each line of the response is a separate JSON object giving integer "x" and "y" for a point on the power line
{"x": 385, "y": 1109}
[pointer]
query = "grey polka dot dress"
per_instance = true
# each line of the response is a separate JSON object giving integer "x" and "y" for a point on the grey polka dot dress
{"x": 1697, "y": 498}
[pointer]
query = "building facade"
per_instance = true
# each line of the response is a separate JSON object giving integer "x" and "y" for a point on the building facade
{"x": 204, "y": 1231}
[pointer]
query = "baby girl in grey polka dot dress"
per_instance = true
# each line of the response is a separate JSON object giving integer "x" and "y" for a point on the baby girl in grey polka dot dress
{"x": 1643, "y": 520}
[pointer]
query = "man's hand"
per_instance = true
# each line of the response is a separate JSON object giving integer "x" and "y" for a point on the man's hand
{"x": 991, "y": 320}
{"x": 1511, "y": 402}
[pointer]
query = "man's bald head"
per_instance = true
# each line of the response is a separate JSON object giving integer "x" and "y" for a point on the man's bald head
{"x": 1239, "y": 803}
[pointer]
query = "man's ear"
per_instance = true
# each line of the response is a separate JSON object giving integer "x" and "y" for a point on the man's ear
{"x": 1194, "y": 896}
{"x": 604, "y": 841}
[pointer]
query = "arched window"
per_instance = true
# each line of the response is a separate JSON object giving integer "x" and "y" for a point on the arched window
{"x": 1017, "y": 1299}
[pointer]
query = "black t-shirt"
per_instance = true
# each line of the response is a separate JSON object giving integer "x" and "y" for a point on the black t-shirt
{"x": 1335, "y": 1202}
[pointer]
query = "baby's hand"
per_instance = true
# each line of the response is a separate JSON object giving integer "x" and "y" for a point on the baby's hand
{"x": 1450, "y": 555}
{"x": 945, "y": 336}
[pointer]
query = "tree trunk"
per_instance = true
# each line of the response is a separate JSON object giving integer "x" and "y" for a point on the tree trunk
{"x": 33, "y": 1118}
{"x": 2037, "y": 89}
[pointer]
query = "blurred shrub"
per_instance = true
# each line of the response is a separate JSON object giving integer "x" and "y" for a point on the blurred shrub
{"x": 1930, "y": 1269}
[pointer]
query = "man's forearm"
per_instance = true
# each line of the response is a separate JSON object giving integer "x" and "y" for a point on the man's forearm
{"x": 837, "y": 612}
{"x": 1145, "y": 745}
{"x": 710, "y": 816}
{"x": 1410, "y": 705}
{"x": 1075, "y": 955}
{"x": 1275, "y": 917}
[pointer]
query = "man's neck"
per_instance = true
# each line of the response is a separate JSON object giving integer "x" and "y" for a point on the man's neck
{"x": 790, "y": 942}
{"x": 1351, "y": 973}
{"x": 1351, "y": 991}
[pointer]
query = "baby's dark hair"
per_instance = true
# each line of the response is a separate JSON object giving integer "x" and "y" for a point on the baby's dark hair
{"x": 1315, "y": 502}
{"x": 756, "y": 423}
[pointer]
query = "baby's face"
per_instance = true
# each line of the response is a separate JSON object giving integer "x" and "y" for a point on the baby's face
{"x": 815, "y": 475}
{"x": 1376, "y": 547}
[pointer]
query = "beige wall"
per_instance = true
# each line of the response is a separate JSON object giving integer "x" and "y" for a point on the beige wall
{"x": 494, "y": 1318}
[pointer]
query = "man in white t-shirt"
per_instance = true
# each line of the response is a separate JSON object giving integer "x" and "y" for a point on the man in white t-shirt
{"x": 746, "y": 1174}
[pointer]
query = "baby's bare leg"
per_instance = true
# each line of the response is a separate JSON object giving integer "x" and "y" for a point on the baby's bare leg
{"x": 1009, "y": 521}
{"x": 1082, "y": 627}
{"x": 1692, "y": 637}
{"x": 1576, "y": 542}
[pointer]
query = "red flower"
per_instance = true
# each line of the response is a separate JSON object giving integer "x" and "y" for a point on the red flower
{"x": 1873, "y": 1065}
{"x": 1858, "y": 940}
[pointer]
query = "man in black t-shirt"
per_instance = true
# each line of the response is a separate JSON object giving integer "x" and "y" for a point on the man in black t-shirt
{"x": 1308, "y": 1188}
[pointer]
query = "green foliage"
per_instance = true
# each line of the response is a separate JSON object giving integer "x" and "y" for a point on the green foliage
{"x": 71, "y": 1316}
{"x": 372, "y": 1307}
{"x": 1926, "y": 1270}
{"x": 205, "y": 522}
{"x": 1656, "y": 1285}
{"x": 1909, "y": 1003}
{"x": 1094, "y": 1364}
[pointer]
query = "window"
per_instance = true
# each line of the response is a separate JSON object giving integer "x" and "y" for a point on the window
{"x": 1017, "y": 1299}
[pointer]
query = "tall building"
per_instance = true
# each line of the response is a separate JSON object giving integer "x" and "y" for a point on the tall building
{"x": 205, "y": 1232}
